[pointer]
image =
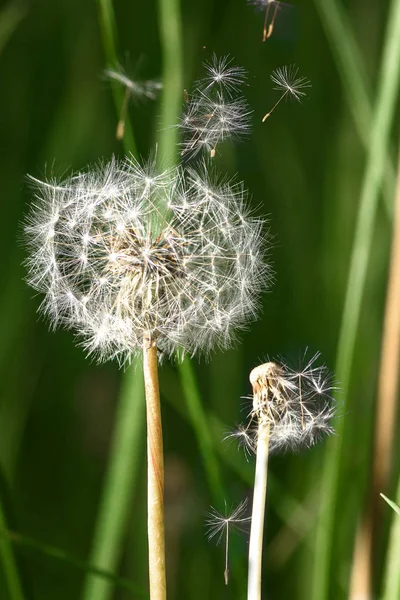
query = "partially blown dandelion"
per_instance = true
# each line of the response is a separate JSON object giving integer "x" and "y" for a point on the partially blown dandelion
{"x": 218, "y": 526}
{"x": 287, "y": 81}
{"x": 291, "y": 408}
{"x": 125, "y": 252}
{"x": 215, "y": 111}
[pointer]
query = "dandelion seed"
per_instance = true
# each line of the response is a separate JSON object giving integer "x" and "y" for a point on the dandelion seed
{"x": 287, "y": 81}
{"x": 218, "y": 525}
{"x": 246, "y": 438}
{"x": 147, "y": 89}
{"x": 174, "y": 255}
{"x": 271, "y": 8}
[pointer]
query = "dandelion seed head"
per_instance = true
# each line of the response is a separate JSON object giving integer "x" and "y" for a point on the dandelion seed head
{"x": 216, "y": 110}
{"x": 173, "y": 255}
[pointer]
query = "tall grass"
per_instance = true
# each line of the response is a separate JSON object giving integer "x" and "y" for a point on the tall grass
{"x": 387, "y": 92}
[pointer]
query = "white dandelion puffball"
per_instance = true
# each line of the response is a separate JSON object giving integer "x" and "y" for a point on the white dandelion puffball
{"x": 124, "y": 251}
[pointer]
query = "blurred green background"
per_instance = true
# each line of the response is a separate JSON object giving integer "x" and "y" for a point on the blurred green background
{"x": 304, "y": 168}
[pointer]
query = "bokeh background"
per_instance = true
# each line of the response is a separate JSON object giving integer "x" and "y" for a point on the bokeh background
{"x": 304, "y": 168}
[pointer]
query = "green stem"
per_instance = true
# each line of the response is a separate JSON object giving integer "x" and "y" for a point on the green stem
{"x": 377, "y": 156}
{"x": 124, "y": 461}
{"x": 109, "y": 37}
{"x": 13, "y": 585}
{"x": 201, "y": 426}
{"x": 58, "y": 554}
{"x": 352, "y": 71}
{"x": 172, "y": 98}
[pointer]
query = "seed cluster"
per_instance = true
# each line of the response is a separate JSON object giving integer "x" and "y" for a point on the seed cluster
{"x": 126, "y": 251}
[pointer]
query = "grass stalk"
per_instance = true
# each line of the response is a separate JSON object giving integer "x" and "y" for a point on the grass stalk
{"x": 155, "y": 473}
{"x": 351, "y": 69}
{"x": 201, "y": 426}
{"x": 12, "y": 583}
{"x": 392, "y": 573}
{"x": 172, "y": 97}
{"x": 388, "y": 384}
{"x": 120, "y": 478}
{"x": 258, "y": 514}
{"x": 364, "y": 229}
{"x": 64, "y": 557}
{"x": 386, "y": 413}
{"x": 109, "y": 37}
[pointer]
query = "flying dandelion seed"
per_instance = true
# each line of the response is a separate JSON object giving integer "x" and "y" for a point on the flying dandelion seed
{"x": 218, "y": 526}
{"x": 146, "y": 89}
{"x": 271, "y": 8}
{"x": 287, "y": 81}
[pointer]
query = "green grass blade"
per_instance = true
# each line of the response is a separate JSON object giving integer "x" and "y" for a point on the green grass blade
{"x": 13, "y": 585}
{"x": 395, "y": 506}
{"x": 61, "y": 555}
{"x": 201, "y": 426}
{"x": 392, "y": 573}
{"x": 377, "y": 155}
{"x": 351, "y": 68}
{"x": 109, "y": 37}
{"x": 172, "y": 97}
{"x": 119, "y": 483}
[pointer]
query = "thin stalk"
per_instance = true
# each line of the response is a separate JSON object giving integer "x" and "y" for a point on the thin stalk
{"x": 201, "y": 426}
{"x": 386, "y": 413}
{"x": 119, "y": 483}
{"x": 13, "y": 585}
{"x": 58, "y": 554}
{"x": 258, "y": 514}
{"x": 172, "y": 97}
{"x": 376, "y": 160}
{"x": 155, "y": 473}
{"x": 351, "y": 69}
{"x": 392, "y": 573}
{"x": 123, "y": 463}
{"x": 109, "y": 37}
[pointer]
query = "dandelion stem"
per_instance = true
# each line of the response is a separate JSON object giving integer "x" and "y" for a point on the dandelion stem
{"x": 155, "y": 478}
{"x": 122, "y": 118}
{"x": 274, "y": 107}
{"x": 258, "y": 512}
{"x": 267, "y": 31}
{"x": 226, "y": 572}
